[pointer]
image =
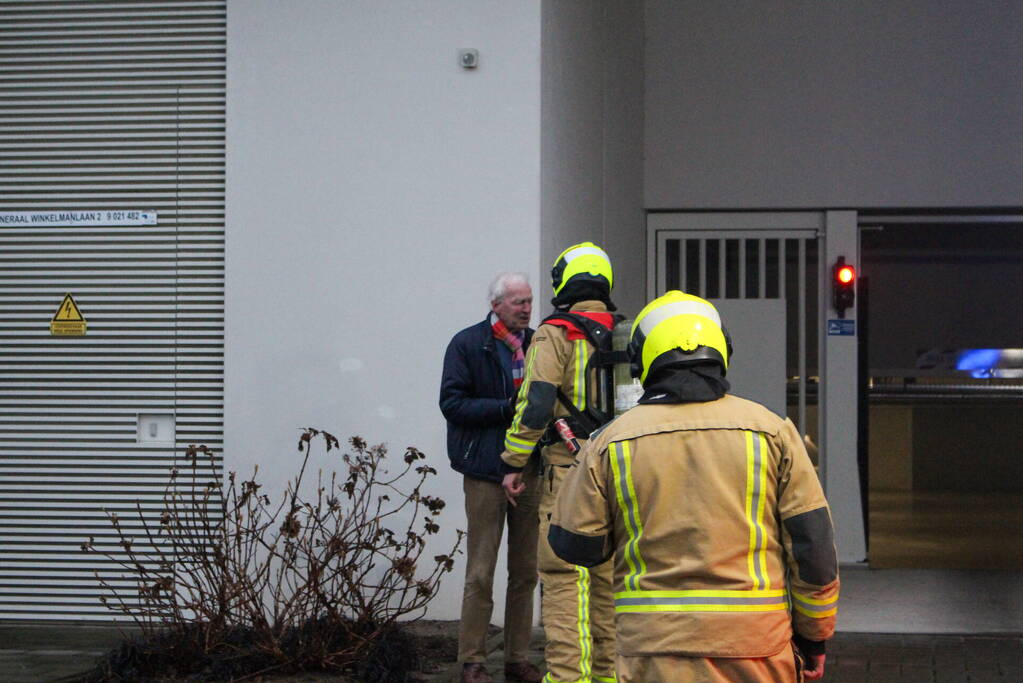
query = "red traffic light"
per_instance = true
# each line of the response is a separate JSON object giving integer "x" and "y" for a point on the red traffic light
{"x": 843, "y": 286}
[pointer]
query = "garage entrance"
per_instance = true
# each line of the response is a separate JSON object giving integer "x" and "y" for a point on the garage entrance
{"x": 945, "y": 359}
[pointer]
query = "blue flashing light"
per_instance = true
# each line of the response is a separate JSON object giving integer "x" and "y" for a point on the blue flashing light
{"x": 980, "y": 362}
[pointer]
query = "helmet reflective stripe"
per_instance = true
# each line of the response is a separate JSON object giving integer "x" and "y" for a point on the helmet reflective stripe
{"x": 585, "y": 260}
{"x": 681, "y": 323}
{"x": 655, "y": 317}
{"x": 573, "y": 253}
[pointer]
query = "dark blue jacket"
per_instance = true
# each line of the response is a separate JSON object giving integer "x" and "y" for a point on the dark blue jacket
{"x": 475, "y": 396}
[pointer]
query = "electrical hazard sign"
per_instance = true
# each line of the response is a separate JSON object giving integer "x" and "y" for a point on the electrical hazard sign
{"x": 68, "y": 321}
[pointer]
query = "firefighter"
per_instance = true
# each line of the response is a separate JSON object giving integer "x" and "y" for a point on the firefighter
{"x": 577, "y": 609}
{"x": 724, "y": 558}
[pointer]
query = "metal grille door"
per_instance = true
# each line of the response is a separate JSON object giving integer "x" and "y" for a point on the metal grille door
{"x": 106, "y": 106}
{"x": 748, "y": 264}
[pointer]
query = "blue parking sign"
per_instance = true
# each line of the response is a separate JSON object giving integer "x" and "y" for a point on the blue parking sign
{"x": 841, "y": 327}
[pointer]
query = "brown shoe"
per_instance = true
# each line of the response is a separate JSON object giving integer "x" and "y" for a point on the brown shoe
{"x": 522, "y": 672}
{"x": 476, "y": 673}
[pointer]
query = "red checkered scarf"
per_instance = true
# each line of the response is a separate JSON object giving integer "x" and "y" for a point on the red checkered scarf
{"x": 513, "y": 340}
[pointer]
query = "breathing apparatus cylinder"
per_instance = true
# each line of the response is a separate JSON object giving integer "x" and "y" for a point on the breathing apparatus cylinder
{"x": 627, "y": 388}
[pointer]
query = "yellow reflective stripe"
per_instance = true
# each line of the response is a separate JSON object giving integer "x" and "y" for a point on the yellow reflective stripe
{"x": 749, "y": 504}
{"x": 551, "y": 679}
{"x": 815, "y": 601}
{"x": 701, "y": 601}
{"x": 756, "y": 486}
{"x": 813, "y": 614}
{"x": 762, "y": 443}
{"x": 702, "y": 593}
{"x": 583, "y": 616}
{"x": 520, "y": 404}
{"x": 625, "y": 492}
{"x": 516, "y": 445}
{"x": 579, "y": 379}
{"x": 518, "y": 441}
{"x": 700, "y": 608}
{"x": 627, "y": 518}
{"x": 816, "y": 608}
{"x": 513, "y": 442}
{"x": 634, "y": 506}
{"x": 605, "y": 679}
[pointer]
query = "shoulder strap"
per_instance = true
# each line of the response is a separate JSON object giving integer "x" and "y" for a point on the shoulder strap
{"x": 594, "y": 331}
{"x": 596, "y": 328}
{"x": 582, "y": 423}
{"x": 589, "y": 326}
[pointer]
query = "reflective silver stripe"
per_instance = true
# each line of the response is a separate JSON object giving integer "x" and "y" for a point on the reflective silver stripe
{"x": 662, "y": 313}
{"x": 813, "y": 607}
{"x": 758, "y": 528}
{"x": 584, "y": 251}
{"x": 579, "y": 397}
{"x": 702, "y": 600}
{"x": 583, "y": 617}
{"x": 628, "y": 504}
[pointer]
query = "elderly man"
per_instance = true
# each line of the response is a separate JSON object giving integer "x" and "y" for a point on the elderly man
{"x": 483, "y": 368}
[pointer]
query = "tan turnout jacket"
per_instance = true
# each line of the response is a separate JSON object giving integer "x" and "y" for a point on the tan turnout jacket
{"x": 722, "y": 539}
{"x": 553, "y": 361}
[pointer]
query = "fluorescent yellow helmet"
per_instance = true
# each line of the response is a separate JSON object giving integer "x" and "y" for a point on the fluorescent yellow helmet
{"x": 677, "y": 329}
{"x": 581, "y": 262}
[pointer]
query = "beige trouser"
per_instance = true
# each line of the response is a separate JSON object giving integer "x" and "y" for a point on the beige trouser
{"x": 486, "y": 510}
{"x": 779, "y": 668}
{"x": 577, "y": 606}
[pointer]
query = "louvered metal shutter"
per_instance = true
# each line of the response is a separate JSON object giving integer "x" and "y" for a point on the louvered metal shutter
{"x": 104, "y": 105}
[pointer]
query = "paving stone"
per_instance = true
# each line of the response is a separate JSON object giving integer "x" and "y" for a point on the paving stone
{"x": 949, "y": 657}
{"x": 918, "y": 640}
{"x": 986, "y": 674}
{"x": 1012, "y": 671}
{"x": 917, "y": 650}
{"x": 844, "y": 647}
{"x": 889, "y": 653}
{"x": 949, "y": 676}
{"x": 884, "y": 672}
{"x": 870, "y": 639}
{"x": 915, "y": 673}
{"x": 842, "y": 671}
{"x": 847, "y": 660}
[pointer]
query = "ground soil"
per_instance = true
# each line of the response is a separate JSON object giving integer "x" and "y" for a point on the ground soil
{"x": 435, "y": 643}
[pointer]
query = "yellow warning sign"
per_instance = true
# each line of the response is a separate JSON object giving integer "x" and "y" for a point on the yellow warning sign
{"x": 68, "y": 321}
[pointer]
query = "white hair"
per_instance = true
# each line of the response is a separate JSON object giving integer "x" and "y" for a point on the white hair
{"x": 499, "y": 287}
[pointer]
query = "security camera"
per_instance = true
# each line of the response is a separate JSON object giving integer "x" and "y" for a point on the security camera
{"x": 468, "y": 58}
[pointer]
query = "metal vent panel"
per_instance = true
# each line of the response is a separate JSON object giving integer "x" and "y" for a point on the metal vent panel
{"x": 104, "y": 105}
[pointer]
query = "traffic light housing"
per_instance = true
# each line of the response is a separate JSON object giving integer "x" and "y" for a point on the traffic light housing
{"x": 843, "y": 283}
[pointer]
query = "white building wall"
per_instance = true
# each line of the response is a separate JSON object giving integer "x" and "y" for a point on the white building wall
{"x": 624, "y": 214}
{"x": 573, "y": 128}
{"x": 593, "y": 138}
{"x": 793, "y": 104}
{"x": 374, "y": 188}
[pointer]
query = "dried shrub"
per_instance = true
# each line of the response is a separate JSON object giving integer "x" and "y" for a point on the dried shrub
{"x": 231, "y": 586}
